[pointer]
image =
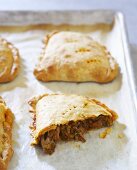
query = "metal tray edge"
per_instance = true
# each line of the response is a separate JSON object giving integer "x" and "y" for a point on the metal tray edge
{"x": 128, "y": 63}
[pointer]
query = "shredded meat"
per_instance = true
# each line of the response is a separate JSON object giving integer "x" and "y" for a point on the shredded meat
{"x": 72, "y": 131}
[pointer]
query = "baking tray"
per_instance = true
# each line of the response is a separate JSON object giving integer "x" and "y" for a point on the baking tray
{"x": 118, "y": 150}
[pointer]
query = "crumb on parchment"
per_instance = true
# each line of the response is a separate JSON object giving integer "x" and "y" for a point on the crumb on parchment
{"x": 77, "y": 146}
{"x": 120, "y": 136}
{"x": 105, "y": 133}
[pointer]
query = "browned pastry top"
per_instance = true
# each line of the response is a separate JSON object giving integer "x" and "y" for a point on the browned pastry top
{"x": 76, "y": 57}
{"x": 9, "y": 61}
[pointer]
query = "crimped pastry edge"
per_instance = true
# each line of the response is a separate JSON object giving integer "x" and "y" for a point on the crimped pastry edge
{"x": 8, "y": 151}
{"x": 16, "y": 64}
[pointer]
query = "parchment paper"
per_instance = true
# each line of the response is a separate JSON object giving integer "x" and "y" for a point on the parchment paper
{"x": 117, "y": 151}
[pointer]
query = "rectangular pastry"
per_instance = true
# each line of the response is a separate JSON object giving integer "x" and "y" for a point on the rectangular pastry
{"x": 6, "y": 121}
{"x": 60, "y": 117}
{"x": 75, "y": 57}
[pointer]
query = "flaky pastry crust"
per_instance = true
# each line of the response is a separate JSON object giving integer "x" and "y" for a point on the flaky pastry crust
{"x": 9, "y": 61}
{"x": 6, "y": 121}
{"x": 75, "y": 57}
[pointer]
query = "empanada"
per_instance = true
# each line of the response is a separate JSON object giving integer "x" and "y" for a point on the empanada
{"x": 59, "y": 117}
{"x": 9, "y": 61}
{"x": 75, "y": 57}
{"x": 6, "y": 121}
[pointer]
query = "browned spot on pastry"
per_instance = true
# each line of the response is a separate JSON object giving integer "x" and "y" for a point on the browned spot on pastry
{"x": 51, "y": 69}
{"x": 85, "y": 104}
{"x": 93, "y": 61}
{"x": 67, "y": 56}
{"x": 41, "y": 75}
{"x": 82, "y": 50}
{"x": 70, "y": 74}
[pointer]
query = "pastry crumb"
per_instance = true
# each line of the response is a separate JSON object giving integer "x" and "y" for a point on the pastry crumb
{"x": 105, "y": 133}
{"x": 77, "y": 146}
{"x": 120, "y": 136}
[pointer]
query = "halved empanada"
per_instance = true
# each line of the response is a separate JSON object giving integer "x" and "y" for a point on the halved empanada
{"x": 9, "y": 61}
{"x": 76, "y": 57}
{"x": 66, "y": 117}
{"x": 6, "y": 121}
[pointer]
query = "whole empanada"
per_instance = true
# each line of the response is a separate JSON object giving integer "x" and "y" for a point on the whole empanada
{"x": 9, "y": 61}
{"x": 6, "y": 121}
{"x": 75, "y": 57}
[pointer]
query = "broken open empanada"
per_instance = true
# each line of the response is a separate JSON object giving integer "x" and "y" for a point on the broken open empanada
{"x": 75, "y": 57}
{"x": 59, "y": 117}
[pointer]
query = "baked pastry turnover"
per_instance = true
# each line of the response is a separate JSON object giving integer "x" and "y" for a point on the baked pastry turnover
{"x": 75, "y": 57}
{"x": 59, "y": 117}
{"x": 6, "y": 121}
{"x": 9, "y": 61}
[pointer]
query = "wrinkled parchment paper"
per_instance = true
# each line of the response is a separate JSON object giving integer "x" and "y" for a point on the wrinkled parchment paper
{"x": 117, "y": 151}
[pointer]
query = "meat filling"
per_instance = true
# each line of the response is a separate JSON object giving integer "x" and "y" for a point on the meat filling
{"x": 72, "y": 131}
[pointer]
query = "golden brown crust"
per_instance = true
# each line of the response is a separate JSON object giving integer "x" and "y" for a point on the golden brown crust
{"x": 114, "y": 114}
{"x": 70, "y": 56}
{"x": 6, "y": 122}
{"x": 50, "y": 110}
{"x": 9, "y": 61}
